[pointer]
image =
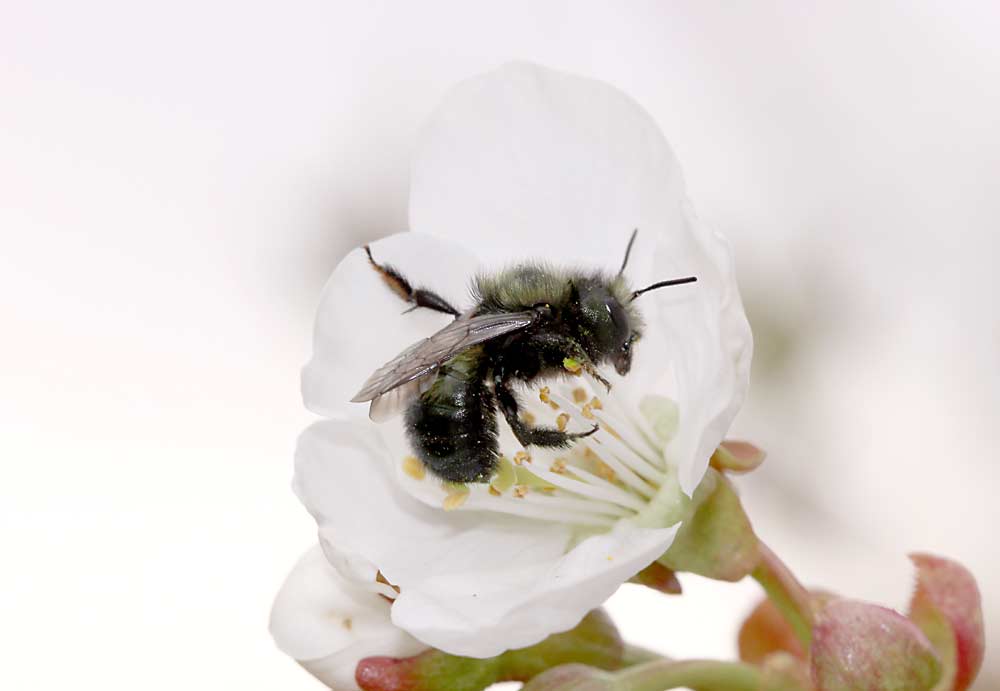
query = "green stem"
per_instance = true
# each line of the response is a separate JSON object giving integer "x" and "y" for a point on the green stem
{"x": 637, "y": 655}
{"x": 785, "y": 591}
{"x": 704, "y": 675}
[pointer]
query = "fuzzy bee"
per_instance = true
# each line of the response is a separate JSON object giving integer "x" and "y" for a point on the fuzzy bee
{"x": 530, "y": 322}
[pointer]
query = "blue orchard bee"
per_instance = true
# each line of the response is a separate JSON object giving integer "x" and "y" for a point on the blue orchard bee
{"x": 530, "y": 322}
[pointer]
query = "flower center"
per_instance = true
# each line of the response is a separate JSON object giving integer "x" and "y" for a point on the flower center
{"x": 618, "y": 472}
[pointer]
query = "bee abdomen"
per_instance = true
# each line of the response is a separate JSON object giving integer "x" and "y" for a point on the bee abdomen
{"x": 453, "y": 429}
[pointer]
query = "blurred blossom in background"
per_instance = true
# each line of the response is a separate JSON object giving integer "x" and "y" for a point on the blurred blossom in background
{"x": 178, "y": 180}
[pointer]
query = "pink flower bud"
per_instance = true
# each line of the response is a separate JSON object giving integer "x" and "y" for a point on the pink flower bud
{"x": 862, "y": 647}
{"x": 947, "y": 607}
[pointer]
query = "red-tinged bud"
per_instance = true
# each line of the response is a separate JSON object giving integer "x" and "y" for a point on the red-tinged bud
{"x": 717, "y": 541}
{"x": 766, "y": 631}
{"x": 594, "y": 641}
{"x": 862, "y": 647}
{"x": 658, "y": 577}
{"x": 735, "y": 456}
{"x": 946, "y": 605}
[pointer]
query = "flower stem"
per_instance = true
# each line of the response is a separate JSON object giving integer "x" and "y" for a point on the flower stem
{"x": 785, "y": 591}
{"x": 705, "y": 675}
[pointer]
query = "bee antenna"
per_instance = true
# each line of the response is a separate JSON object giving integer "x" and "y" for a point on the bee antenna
{"x": 664, "y": 284}
{"x": 628, "y": 251}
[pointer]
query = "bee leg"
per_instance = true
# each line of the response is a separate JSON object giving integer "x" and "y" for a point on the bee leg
{"x": 418, "y": 297}
{"x": 530, "y": 435}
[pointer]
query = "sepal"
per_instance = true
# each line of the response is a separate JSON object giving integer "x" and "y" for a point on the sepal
{"x": 594, "y": 642}
{"x": 717, "y": 540}
{"x": 947, "y": 607}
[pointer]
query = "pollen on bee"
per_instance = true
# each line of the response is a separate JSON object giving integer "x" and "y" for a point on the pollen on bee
{"x": 522, "y": 457}
{"x": 528, "y": 417}
{"x": 561, "y": 421}
{"x": 558, "y": 466}
{"x": 572, "y": 366}
{"x": 579, "y": 395}
{"x": 414, "y": 468}
{"x": 520, "y": 491}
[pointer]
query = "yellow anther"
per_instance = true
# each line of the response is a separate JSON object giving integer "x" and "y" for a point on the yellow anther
{"x": 572, "y": 366}
{"x": 414, "y": 468}
{"x": 521, "y": 457}
{"x": 596, "y": 404}
{"x": 549, "y": 489}
{"x": 528, "y": 417}
{"x": 588, "y": 411}
{"x": 543, "y": 394}
{"x": 579, "y": 394}
{"x": 521, "y": 491}
{"x": 559, "y": 466}
{"x": 561, "y": 420}
{"x": 606, "y": 471}
{"x": 453, "y": 501}
{"x": 495, "y": 492}
{"x": 348, "y": 623}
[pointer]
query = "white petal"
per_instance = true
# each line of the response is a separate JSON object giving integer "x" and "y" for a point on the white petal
{"x": 329, "y": 625}
{"x": 702, "y": 331}
{"x": 527, "y": 162}
{"x": 513, "y": 607}
{"x": 360, "y": 323}
{"x": 471, "y": 583}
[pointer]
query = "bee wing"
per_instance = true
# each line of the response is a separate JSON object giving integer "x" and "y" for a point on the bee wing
{"x": 425, "y": 356}
{"x": 394, "y": 401}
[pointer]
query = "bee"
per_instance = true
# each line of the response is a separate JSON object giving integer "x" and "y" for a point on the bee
{"x": 529, "y": 323}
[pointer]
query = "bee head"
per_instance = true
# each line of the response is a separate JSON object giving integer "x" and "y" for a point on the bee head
{"x": 608, "y": 325}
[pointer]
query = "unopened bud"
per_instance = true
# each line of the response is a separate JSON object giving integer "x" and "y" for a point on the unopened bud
{"x": 856, "y": 645}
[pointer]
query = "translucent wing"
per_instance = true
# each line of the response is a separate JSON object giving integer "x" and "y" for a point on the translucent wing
{"x": 425, "y": 356}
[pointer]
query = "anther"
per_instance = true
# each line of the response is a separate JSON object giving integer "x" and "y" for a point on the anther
{"x": 561, "y": 421}
{"x": 579, "y": 395}
{"x": 456, "y": 499}
{"x": 414, "y": 468}
{"x": 521, "y": 457}
{"x": 521, "y": 491}
{"x": 528, "y": 417}
{"x": 559, "y": 466}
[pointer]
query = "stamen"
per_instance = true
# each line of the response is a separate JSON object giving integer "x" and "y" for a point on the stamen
{"x": 586, "y": 485}
{"x": 414, "y": 468}
{"x": 579, "y": 395}
{"x": 634, "y": 460}
{"x": 622, "y": 471}
{"x": 453, "y": 500}
{"x": 522, "y": 456}
{"x": 561, "y": 421}
{"x": 537, "y": 506}
{"x": 520, "y": 491}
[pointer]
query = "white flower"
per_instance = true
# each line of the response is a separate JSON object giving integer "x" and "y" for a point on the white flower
{"x": 526, "y": 163}
{"x": 329, "y": 624}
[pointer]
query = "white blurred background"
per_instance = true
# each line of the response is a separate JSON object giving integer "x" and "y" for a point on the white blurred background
{"x": 177, "y": 179}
